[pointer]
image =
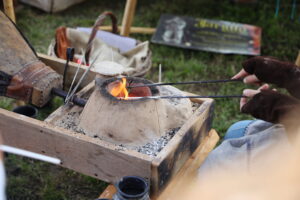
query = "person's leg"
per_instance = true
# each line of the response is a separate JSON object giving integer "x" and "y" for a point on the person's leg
{"x": 237, "y": 129}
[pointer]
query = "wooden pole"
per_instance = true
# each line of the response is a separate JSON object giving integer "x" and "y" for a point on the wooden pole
{"x": 142, "y": 30}
{"x": 9, "y": 9}
{"x": 298, "y": 59}
{"x": 128, "y": 17}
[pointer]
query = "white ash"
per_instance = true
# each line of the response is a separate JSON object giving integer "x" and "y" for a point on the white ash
{"x": 154, "y": 147}
{"x": 71, "y": 119}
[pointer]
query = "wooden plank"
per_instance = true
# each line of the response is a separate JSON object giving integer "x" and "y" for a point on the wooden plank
{"x": 9, "y": 9}
{"x": 109, "y": 192}
{"x": 58, "y": 65}
{"x": 81, "y": 153}
{"x": 142, "y": 30}
{"x": 128, "y": 17}
{"x": 186, "y": 173}
{"x": 189, "y": 171}
{"x": 10, "y": 12}
{"x": 169, "y": 161}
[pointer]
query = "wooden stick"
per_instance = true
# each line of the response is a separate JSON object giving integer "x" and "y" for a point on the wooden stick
{"x": 9, "y": 9}
{"x": 10, "y": 12}
{"x": 188, "y": 173}
{"x": 298, "y": 59}
{"x": 159, "y": 73}
{"x": 29, "y": 154}
{"x": 142, "y": 30}
{"x": 128, "y": 17}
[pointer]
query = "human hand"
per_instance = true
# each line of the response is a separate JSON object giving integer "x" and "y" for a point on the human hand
{"x": 269, "y": 105}
{"x": 247, "y": 78}
{"x": 261, "y": 69}
{"x": 249, "y": 93}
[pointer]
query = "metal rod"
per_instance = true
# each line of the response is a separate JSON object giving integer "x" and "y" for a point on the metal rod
{"x": 76, "y": 100}
{"x": 188, "y": 82}
{"x": 81, "y": 61}
{"x": 70, "y": 55}
{"x": 29, "y": 154}
{"x": 82, "y": 77}
{"x": 182, "y": 97}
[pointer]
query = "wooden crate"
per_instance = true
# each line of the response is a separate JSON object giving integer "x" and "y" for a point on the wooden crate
{"x": 98, "y": 158}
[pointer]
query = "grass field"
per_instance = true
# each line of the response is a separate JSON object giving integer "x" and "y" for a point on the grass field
{"x": 29, "y": 179}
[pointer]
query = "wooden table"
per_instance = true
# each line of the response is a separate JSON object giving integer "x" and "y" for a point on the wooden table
{"x": 187, "y": 172}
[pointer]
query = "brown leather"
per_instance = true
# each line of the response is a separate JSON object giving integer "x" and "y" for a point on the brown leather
{"x": 62, "y": 42}
{"x": 96, "y": 26}
{"x": 26, "y": 81}
{"x": 272, "y": 106}
{"x": 31, "y": 80}
{"x": 14, "y": 50}
{"x": 271, "y": 70}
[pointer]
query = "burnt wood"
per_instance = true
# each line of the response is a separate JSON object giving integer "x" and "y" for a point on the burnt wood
{"x": 189, "y": 137}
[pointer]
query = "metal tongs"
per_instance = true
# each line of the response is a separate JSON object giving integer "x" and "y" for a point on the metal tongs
{"x": 187, "y": 83}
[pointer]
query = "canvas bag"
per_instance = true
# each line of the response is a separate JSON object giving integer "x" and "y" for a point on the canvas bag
{"x": 52, "y": 5}
{"x": 111, "y": 59}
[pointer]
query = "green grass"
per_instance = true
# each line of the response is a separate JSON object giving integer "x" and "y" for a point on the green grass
{"x": 29, "y": 179}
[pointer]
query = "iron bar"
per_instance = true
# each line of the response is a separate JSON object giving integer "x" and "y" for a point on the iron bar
{"x": 76, "y": 100}
{"x": 187, "y": 83}
{"x": 181, "y": 97}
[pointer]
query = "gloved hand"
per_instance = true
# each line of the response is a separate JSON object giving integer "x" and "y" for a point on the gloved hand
{"x": 270, "y": 70}
{"x": 272, "y": 106}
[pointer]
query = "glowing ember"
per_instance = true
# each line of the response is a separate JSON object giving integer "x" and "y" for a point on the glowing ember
{"x": 120, "y": 89}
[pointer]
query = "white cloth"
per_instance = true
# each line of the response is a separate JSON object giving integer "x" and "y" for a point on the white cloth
{"x": 262, "y": 144}
{"x": 119, "y": 42}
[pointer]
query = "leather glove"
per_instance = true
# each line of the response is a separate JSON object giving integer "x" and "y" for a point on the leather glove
{"x": 22, "y": 75}
{"x": 271, "y": 70}
{"x": 272, "y": 106}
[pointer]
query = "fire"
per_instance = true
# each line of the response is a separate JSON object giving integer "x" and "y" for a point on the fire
{"x": 120, "y": 89}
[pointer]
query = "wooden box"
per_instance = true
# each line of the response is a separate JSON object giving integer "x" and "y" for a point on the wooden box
{"x": 98, "y": 158}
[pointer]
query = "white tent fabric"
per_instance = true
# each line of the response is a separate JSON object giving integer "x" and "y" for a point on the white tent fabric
{"x": 52, "y": 5}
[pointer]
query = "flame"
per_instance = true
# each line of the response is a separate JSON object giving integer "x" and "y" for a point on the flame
{"x": 120, "y": 89}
